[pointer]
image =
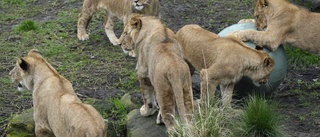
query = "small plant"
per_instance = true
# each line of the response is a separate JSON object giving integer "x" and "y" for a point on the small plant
{"x": 27, "y": 25}
{"x": 259, "y": 119}
{"x": 209, "y": 120}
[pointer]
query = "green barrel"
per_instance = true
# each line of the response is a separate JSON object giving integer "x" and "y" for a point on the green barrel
{"x": 278, "y": 73}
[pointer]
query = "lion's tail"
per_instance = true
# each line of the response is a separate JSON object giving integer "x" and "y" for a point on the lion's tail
{"x": 182, "y": 91}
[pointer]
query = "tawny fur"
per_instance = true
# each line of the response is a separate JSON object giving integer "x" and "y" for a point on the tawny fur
{"x": 57, "y": 109}
{"x": 283, "y": 23}
{"x": 161, "y": 69}
{"x": 222, "y": 61}
{"x": 116, "y": 9}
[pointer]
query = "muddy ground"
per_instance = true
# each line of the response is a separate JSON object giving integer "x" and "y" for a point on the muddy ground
{"x": 298, "y": 97}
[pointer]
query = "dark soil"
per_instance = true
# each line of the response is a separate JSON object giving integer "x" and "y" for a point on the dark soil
{"x": 301, "y": 109}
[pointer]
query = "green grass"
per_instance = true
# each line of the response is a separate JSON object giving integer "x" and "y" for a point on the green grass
{"x": 119, "y": 111}
{"x": 209, "y": 120}
{"x": 27, "y": 25}
{"x": 260, "y": 118}
{"x": 301, "y": 59}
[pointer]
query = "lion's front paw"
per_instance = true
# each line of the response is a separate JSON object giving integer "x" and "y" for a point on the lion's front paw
{"x": 246, "y": 20}
{"x": 144, "y": 111}
{"x": 115, "y": 41}
{"x": 83, "y": 36}
{"x": 235, "y": 34}
{"x": 132, "y": 53}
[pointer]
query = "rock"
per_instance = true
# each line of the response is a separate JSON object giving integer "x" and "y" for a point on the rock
{"x": 21, "y": 125}
{"x": 313, "y": 5}
{"x": 139, "y": 126}
{"x": 127, "y": 101}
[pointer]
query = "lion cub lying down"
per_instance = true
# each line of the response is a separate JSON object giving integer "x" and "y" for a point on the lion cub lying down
{"x": 283, "y": 23}
{"x": 57, "y": 109}
{"x": 161, "y": 69}
{"x": 121, "y": 9}
{"x": 222, "y": 61}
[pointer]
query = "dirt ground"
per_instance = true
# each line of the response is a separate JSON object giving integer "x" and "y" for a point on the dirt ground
{"x": 297, "y": 97}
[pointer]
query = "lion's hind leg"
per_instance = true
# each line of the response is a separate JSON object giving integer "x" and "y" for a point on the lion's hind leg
{"x": 188, "y": 101}
{"x": 167, "y": 107}
{"x": 226, "y": 94}
{"x": 208, "y": 85}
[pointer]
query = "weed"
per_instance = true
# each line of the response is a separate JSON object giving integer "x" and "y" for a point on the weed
{"x": 27, "y": 25}
{"x": 209, "y": 120}
{"x": 259, "y": 119}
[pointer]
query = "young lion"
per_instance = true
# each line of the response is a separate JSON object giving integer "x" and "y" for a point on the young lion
{"x": 57, "y": 109}
{"x": 283, "y": 23}
{"x": 121, "y": 9}
{"x": 222, "y": 61}
{"x": 161, "y": 69}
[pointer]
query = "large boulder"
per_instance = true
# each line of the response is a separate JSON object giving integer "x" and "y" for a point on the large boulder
{"x": 21, "y": 125}
{"x": 140, "y": 126}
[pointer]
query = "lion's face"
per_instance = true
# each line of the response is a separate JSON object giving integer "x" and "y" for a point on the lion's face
{"x": 260, "y": 9}
{"x": 17, "y": 74}
{"x": 140, "y": 4}
{"x": 130, "y": 33}
{"x": 23, "y": 72}
{"x": 264, "y": 71}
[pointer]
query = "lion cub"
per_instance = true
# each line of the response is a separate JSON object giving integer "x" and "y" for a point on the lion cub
{"x": 283, "y": 22}
{"x": 222, "y": 60}
{"x": 121, "y": 9}
{"x": 57, "y": 109}
{"x": 161, "y": 69}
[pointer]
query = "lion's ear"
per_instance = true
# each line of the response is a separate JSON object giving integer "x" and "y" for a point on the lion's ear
{"x": 135, "y": 22}
{"x": 23, "y": 64}
{"x": 268, "y": 62}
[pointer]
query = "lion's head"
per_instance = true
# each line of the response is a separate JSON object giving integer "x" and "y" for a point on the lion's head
{"x": 263, "y": 71}
{"x": 260, "y": 11}
{"x": 18, "y": 72}
{"x": 130, "y": 31}
{"x": 23, "y": 71}
{"x": 141, "y": 4}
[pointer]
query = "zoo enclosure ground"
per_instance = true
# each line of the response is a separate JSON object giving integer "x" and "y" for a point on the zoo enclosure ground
{"x": 99, "y": 70}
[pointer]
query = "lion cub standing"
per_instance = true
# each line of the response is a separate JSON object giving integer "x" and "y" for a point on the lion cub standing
{"x": 222, "y": 61}
{"x": 121, "y": 9}
{"x": 57, "y": 109}
{"x": 283, "y": 23}
{"x": 161, "y": 69}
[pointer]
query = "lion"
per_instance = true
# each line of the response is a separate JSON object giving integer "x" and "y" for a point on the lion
{"x": 163, "y": 74}
{"x": 121, "y": 9}
{"x": 222, "y": 61}
{"x": 283, "y": 22}
{"x": 57, "y": 109}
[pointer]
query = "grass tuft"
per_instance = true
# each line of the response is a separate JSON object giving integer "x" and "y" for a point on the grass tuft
{"x": 259, "y": 119}
{"x": 27, "y": 25}
{"x": 209, "y": 120}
